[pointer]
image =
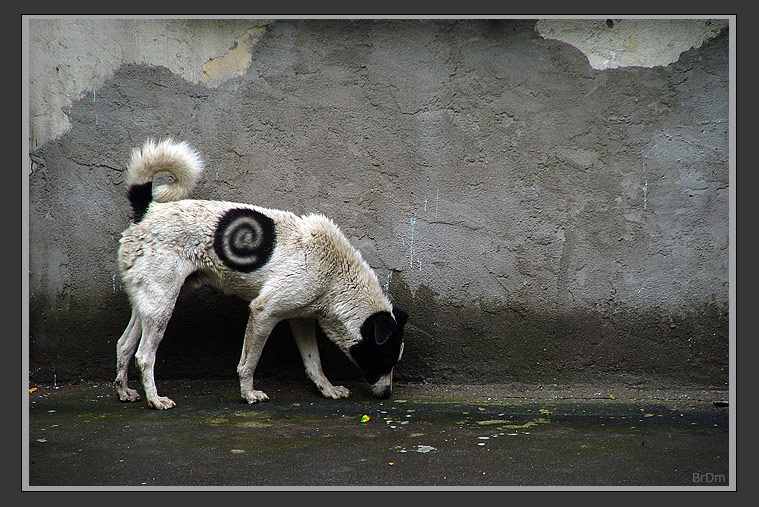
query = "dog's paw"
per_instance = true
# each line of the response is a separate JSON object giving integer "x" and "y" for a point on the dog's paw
{"x": 127, "y": 394}
{"x": 254, "y": 396}
{"x": 335, "y": 392}
{"x": 161, "y": 403}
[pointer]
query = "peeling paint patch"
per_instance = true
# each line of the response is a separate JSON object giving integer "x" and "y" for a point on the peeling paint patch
{"x": 65, "y": 67}
{"x": 235, "y": 62}
{"x": 610, "y": 44}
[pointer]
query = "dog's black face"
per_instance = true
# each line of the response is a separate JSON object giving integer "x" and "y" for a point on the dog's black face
{"x": 380, "y": 348}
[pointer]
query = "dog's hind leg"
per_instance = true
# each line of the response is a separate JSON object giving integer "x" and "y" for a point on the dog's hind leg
{"x": 152, "y": 333}
{"x": 155, "y": 305}
{"x": 305, "y": 338}
{"x": 125, "y": 348}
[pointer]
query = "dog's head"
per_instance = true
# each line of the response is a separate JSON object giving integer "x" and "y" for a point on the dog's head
{"x": 380, "y": 347}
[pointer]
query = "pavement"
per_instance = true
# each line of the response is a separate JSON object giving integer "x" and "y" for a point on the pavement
{"x": 424, "y": 436}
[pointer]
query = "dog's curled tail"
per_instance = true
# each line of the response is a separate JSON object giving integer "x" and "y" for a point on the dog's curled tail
{"x": 179, "y": 159}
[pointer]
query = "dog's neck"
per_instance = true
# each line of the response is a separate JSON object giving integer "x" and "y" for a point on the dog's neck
{"x": 342, "y": 323}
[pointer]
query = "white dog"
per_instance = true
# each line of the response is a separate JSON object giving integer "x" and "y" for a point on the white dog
{"x": 292, "y": 267}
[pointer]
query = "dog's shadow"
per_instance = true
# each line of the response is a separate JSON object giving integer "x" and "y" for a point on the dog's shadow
{"x": 204, "y": 339}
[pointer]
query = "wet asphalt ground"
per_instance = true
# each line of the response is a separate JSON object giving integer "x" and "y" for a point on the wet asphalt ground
{"x": 423, "y": 436}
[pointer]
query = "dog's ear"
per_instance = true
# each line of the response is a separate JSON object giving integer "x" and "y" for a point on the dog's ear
{"x": 400, "y": 316}
{"x": 383, "y": 328}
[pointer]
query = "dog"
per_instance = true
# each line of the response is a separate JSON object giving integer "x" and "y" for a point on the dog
{"x": 289, "y": 267}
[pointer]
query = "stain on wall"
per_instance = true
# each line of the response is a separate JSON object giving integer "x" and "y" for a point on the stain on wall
{"x": 234, "y": 62}
{"x": 542, "y": 220}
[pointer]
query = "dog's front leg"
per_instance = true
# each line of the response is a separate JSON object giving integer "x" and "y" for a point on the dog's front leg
{"x": 260, "y": 324}
{"x": 305, "y": 338}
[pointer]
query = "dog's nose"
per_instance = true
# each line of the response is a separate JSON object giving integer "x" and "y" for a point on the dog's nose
{"x": 386, "y": 393}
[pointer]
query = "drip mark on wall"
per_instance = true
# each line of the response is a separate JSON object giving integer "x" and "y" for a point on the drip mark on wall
{"x": 387, "y": 284}
{"x": 645, "y": 187}
{"x": 411, "y": 243}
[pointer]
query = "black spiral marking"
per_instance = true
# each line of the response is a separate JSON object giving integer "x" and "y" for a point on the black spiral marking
{"x": 244, "y": 239}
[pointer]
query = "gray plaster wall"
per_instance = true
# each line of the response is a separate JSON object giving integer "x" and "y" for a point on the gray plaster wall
{"x": 542, "y": 220}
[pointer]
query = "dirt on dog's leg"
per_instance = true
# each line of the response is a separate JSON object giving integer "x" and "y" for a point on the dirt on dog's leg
{"x": 125, "y": 348}
{"x": 305, "y": 338}
{"x": 260, "y": 324}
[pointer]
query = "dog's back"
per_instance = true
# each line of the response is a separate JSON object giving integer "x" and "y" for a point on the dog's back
{"x": 169, "y": 229}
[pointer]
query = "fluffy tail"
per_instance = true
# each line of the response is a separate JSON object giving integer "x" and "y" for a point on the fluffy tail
{"x": 179, "y": 159}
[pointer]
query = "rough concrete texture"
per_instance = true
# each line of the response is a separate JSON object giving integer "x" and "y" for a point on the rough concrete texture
{"x": 541, "y": 221}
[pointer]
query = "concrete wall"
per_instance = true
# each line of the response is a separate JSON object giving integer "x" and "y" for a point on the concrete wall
{"x": 542, "y": 218}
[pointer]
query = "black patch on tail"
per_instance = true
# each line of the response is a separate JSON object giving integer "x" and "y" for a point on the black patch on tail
{"x": 244, "y": 239}
{"x": 140, "y": 197}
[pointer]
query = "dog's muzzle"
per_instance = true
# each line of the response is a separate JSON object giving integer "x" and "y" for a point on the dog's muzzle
{"x": 383, "y": 388}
